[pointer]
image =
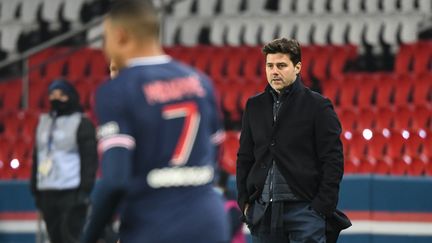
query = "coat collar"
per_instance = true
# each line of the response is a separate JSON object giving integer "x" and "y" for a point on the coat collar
{"x": 295, "y": 87}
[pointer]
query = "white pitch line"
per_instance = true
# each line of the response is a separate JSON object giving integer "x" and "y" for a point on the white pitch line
{"x": 384, "y": 228}
{"x": 358, "y": 227}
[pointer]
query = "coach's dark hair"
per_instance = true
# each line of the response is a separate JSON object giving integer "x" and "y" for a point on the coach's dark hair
{"x": 139, "y": 16}
{"x": 285, "y": 46}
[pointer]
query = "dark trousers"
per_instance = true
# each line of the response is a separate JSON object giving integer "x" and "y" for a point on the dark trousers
{"x": 64, "y": 213}
{"x": 301, "y": 224}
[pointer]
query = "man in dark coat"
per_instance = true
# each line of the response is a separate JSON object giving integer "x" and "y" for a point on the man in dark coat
{"x": 290, "y": 161}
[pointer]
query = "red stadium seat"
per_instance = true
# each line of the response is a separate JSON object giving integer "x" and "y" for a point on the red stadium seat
{"x": 351, "y": 165}
{"x": 384, "y": 120}
{"x": 366, "y": 119}
{"x": 417, "y": 167}
{"x": 203, "y": 59}
{"x": 98, "y": 65}
{"x": 354, "y": 152}
{"x": 37, "y": 70}
{"x": 384, "y": 165}
{"x": 235, "y": 63}
{"x": 367, "y": 165}
{"x": 384, "y": 91}
{"x": 307, "y": 62}
{"x": 404, "y": 59}
{"x": 5, "y": 150}
{"x": 322, "y": 56}
{"x": 12, "y": 95}
{"x": 340, "y": 59}
{"x": 427, "y": 155}
{"x": 402, "y": 119}
{"x": 377, "y": 146}
{"x": 427, "y": 148}
{"x": 400, "y": 165}
{"x": 11, "y": 125}
{"x": 5, "y": 156}
{"x": 38, "y": 94}
{"x": 22, "y": 151}
{"x": 29, "y": 124}
{"x": 357, "y": 146}
{"x": 331, "y": 89}
{"x": 414, "y": 149}
{"x": 85, "y": 90}
{"x": 396, "y": 145}
{"x": 77, "y": 64}
{"x": 249, "y": 91}
{"x": 217, "y": 65}
{"x": 254, "y": 65}
{"x": 189, "y": 55}
{"x": 365, "y": 93}
{"x": 413, "y": 145}
{"x": 55, "y": 68}
{"x": 403, "y": 91}
{"x": 423, "y": 119}
{"x": 229, "y": 152}
{"x": 171, "y": 50}
{"x": 422, "y": 57}
{"x": 348, "y": 93}
{"x": 23, "y": 172}
{"x": 230, "y": 102}
{"x": 422, "y": 91}
{"x": 348, "y": 120}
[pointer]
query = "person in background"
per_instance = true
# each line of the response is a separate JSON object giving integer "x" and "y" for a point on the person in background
{"x": 64, "y": 164}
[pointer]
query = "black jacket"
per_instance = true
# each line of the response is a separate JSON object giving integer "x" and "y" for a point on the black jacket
{"x": 304, "y": 142}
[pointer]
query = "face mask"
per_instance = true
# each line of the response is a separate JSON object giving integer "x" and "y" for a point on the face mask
{"x": 59, "y": 106}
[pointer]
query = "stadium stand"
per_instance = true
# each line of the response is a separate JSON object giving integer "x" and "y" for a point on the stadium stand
{"x": 385, "y": 109}
{"x": 363, "y": 100}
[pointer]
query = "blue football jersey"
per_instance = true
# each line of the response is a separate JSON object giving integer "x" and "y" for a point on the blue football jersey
{"x": 159, "y": 127}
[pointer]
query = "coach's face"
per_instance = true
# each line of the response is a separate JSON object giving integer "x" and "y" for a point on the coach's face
{"x": 281, "y": 71}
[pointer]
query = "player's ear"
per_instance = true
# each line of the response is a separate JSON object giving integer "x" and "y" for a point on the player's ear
{"x": 122, "y": 36}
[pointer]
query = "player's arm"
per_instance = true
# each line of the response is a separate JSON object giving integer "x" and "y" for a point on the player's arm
{"x": 218, "y": 131}
{"x": 116, "y": 145}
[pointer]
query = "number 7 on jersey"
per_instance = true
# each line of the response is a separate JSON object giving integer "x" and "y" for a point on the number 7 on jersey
{"x": 189, "y": 111}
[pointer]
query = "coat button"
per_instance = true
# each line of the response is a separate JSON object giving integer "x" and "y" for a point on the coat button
{"x": 273, "y": 143}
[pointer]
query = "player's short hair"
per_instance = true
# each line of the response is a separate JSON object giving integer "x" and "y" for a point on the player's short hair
{"x": 139, "y": 17}
{"x": 285, "y": 46}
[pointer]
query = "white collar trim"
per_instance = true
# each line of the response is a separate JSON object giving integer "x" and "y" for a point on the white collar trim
{"x": 153, "y": 60}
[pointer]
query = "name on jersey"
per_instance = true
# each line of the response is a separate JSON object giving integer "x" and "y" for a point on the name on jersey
{"x": 175, "y": 89}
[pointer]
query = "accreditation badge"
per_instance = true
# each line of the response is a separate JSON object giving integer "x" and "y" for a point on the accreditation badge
{"x": 44, "y": 168}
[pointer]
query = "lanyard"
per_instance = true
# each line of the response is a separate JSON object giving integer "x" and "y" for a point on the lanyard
{"x": 51, "y": 134}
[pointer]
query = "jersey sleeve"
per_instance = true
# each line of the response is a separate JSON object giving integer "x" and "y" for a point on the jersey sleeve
{"x": 114, "y": 130}
{"x": 116, "y": 142}
{"x": 116, "y": 145}
{"x": 218, "y": 131}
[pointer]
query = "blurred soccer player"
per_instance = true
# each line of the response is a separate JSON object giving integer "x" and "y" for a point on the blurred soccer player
{"x": 157, "y": 135}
